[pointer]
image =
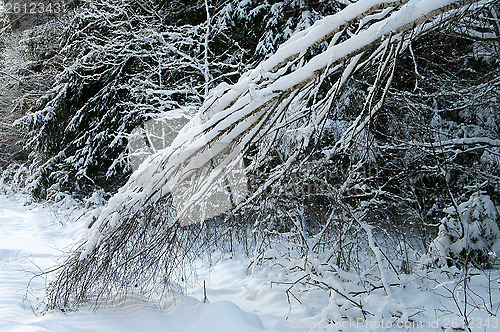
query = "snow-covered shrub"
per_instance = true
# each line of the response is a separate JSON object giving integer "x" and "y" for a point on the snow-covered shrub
{"x": 469, "y": 234}
{"x": 13, "y": 177}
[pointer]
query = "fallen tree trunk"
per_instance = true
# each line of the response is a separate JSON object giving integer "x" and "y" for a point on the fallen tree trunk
{"x": 202, "y": 173}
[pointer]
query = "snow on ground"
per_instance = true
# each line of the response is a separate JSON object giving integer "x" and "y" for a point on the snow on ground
{"x": 32, "y": 237}
{"x": 240, "y": 298}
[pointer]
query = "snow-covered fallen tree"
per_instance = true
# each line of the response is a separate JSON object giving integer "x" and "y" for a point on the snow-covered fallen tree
{"x": 282, "y": 102}
{"x": 274, "y": 95}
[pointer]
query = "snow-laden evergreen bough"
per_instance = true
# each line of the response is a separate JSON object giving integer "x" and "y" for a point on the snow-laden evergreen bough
{"x": 151, "y": 224}
{"x": 469, "y": 233}
{"x": 122, "y": 64}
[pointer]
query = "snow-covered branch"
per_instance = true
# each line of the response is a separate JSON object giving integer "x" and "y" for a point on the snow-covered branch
{"x": 248, "y": 112}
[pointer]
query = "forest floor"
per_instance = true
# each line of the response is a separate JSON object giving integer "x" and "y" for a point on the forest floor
{"x": 32, "y": 238}
{"x": 240, "y": 298}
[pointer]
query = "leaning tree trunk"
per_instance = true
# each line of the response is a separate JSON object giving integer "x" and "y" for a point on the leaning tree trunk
{"x": 202, "y": 173}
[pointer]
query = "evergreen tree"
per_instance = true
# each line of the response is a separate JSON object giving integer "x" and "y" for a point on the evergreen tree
{"x": 127, "y": 62}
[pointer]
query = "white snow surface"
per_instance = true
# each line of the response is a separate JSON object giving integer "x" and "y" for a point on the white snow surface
{"x": 241, "y": 297}
{"x": 32, "y": 237}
